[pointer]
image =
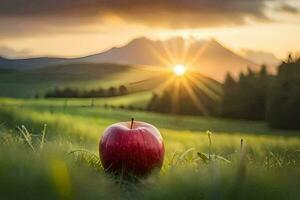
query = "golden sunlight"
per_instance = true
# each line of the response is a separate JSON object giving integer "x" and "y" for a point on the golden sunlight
{"x": 179, "y": 69}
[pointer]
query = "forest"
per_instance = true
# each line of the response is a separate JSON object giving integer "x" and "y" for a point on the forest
{"x": 253, "y": 96}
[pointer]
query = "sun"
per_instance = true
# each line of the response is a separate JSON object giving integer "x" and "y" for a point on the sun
{"x": 179, "y": 69}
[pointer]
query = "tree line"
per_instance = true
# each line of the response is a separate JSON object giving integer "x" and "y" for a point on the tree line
{"x": 245, "y": 98}
{"x": 253, "y": 96}
{"x": 283, "y": 102}
{"x": 92, "y": 93}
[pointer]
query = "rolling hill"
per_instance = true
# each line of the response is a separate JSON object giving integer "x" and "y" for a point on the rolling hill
{"x": 30, "y": 63}
{"x": 28, "y": 83}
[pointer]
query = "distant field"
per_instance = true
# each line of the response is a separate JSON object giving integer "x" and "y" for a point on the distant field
{"x": 272, "y": 159}
{"x": 137, "y": 100}
{"x": 28, "y": 83}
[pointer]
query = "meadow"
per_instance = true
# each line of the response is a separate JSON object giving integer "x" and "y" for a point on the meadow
{"x": 49, "y": 150}
{"x": 25, "y": 83}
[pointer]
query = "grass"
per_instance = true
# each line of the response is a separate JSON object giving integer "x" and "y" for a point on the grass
{"x": 61, "y": 160}
{"x": 28, "y": 83}
{"x": 139, "y": 100}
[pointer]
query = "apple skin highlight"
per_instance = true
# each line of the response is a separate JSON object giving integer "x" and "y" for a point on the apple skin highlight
{"x": 131, "y": 148}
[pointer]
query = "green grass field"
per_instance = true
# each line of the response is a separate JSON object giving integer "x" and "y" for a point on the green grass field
{"x": 87, "y": 76}
{"x": 28, "y": 83}
{"x": 65, "y": 163}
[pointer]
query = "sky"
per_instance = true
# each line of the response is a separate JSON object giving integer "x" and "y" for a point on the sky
{"x": 71, "y": 28}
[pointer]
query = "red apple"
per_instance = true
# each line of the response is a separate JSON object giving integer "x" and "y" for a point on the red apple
{"x": 131, "y": 148}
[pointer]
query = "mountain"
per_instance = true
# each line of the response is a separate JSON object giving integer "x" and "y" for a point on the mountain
{"x": 207, "y": 57}
{"x": 29, "y": 63}
{"x": 142, "y": 51}
{"x": 216, "y": 61}
{"x": 137, "y": 52}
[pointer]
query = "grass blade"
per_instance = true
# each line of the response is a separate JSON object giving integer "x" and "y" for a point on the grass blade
{"x": 43, "y": 136}
{"x": 27, "y": 136}
{"x": 204, "y": 158}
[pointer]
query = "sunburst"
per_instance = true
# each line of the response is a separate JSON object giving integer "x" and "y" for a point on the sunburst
{"x": 179, "y": 69}
{"x": 180, "y": 63}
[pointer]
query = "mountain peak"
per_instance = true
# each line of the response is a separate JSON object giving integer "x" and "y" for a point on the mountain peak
{"x": 140, "y": 40}
{"x": 214, "y": 42}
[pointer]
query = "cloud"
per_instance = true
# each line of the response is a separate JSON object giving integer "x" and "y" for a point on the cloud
{"x": 260, "y": 57}
{"x": 21, "y": 16}
{"x": 8, "y": 52}
{"x": 288, "y": 8}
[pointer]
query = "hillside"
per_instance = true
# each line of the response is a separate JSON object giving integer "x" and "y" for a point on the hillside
{"x": 30, "y": 63}
{"x": 28, "y": 83}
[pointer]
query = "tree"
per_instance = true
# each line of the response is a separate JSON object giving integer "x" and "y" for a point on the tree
{"x": 245, "y": 98}
{"x": 160, "y": 103}
{"x": 100, "y": 92}
{"x": 230, "y": 87}
{"x": 283, "y": 105}
{"x": 111, "y": 91}
{"x": 123, "y": 90}
{"x": 37, "y": 95}
{"x": 92, "y": 93}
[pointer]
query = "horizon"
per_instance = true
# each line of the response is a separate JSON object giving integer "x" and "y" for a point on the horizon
{"x": 257, "y": 57}
{"x": 112, "y": 47}
{"x": 192, "y": 39}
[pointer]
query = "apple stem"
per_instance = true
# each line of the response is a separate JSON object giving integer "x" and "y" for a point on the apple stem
{"x": 131, "y": 123}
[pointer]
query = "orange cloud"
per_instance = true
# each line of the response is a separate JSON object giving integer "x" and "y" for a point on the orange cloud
{"x": 23, "y": 16}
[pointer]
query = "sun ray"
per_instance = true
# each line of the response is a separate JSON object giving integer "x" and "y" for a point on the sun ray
{"x": 156, "y": 80}
{"x": 165, "y": 84}
{"x": 194, "y": 97}
{"x": 175, "y": 97}
{"x": 212, "y": 84}
{"x": 162, "y": 59}
{"x": 169, "y": 54}
{"x": 195, "y": 57}
{"x": 174, "y": 47}
{"x": 185, "y": 51}
{"x": 199, "y": 84}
